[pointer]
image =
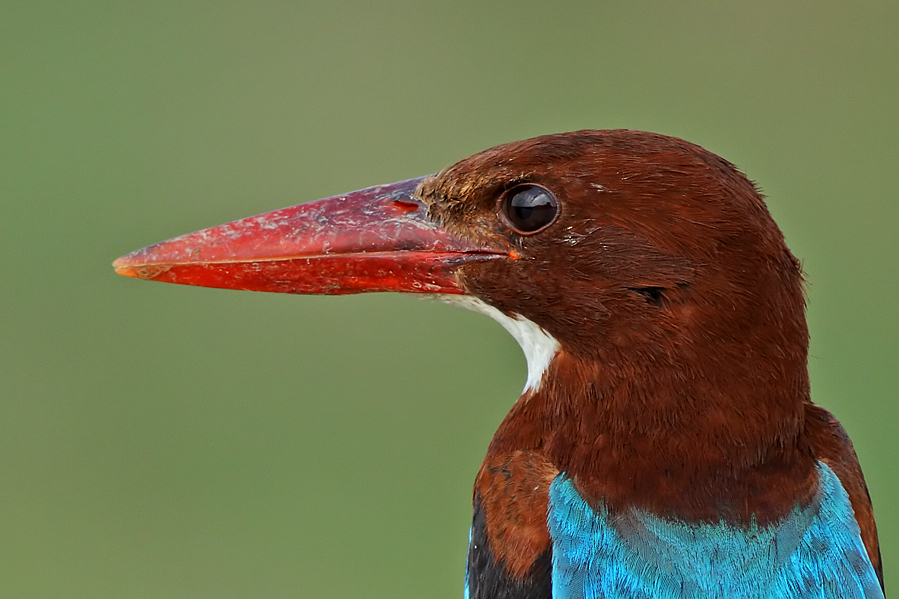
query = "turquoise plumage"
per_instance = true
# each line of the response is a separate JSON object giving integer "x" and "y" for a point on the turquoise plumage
{"x": 816, "y": 552}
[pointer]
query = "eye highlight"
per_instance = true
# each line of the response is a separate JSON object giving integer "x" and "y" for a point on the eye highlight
{"x": 529, "y": 209}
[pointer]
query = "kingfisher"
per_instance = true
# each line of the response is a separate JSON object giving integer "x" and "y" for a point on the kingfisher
{"x": 665, "y": 444}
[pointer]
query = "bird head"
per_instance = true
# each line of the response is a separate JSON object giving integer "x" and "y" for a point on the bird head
{"x": 621, "y": 240}
{"x": 654, "y": 296}
{"x": 603, "y": 239}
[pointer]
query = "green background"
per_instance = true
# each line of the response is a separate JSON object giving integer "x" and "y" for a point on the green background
{"x": 164, "y": 442}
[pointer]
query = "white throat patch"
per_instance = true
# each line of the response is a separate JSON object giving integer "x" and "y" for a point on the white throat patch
{"x": 538, "y": 346}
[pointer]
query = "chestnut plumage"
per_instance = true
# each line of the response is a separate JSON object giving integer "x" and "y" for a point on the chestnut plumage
{"x": 662, "y": 315}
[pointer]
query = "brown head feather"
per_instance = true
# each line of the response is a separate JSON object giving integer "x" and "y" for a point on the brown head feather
{"x": 681, "y": 379}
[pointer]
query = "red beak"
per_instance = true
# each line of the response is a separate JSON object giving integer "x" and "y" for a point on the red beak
{"x": 374, "y": 239}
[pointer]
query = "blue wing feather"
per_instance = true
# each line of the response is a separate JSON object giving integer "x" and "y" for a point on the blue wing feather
{"x": 814, "y": 553}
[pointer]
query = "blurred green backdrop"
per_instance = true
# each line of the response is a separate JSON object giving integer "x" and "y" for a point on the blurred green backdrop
{"x": 164, "y": 441}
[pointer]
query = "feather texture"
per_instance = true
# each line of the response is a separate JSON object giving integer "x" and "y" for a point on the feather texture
{"x": 816, "y": 552}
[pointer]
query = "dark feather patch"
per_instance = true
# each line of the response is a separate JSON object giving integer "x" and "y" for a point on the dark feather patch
{"x": 487, "y": 578}
{"x": 653, "y": 295}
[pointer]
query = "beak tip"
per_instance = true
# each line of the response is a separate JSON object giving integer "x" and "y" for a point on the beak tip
{"x": 125, "y": 271}
{"x": 129, "y": 266}
{"x": 125, "y": 265}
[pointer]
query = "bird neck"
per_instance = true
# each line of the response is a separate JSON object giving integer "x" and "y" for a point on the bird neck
{"x": 697, "y": 444}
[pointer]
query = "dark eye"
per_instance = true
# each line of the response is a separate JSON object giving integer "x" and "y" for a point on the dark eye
{"x": 529, "y": 208}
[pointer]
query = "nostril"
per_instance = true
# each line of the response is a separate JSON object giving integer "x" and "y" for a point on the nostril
{"x": 405, "y": 205}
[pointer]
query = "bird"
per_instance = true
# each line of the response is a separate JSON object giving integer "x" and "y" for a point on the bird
{"x": 665, "y": 444}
